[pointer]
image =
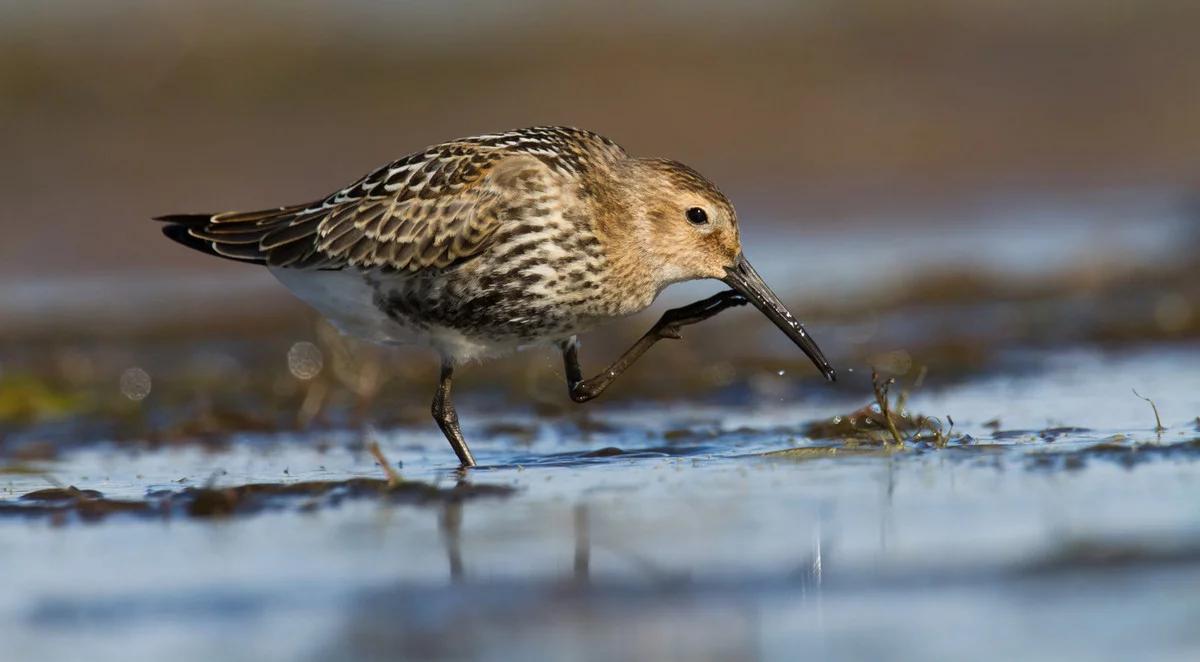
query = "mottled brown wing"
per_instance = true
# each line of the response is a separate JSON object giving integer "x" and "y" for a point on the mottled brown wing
{"x": 429, "y": 210}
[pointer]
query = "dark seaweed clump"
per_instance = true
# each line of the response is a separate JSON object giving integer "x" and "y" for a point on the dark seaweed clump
{"x": 885, "y": 422}
{"x": 1127, "y": 455}
{"x": 62, "y": 504}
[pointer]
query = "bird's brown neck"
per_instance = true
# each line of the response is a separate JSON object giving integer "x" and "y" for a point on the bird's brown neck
{"x": 617, "y": 209}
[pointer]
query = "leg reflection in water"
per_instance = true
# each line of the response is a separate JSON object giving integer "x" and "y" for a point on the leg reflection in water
{"x": 450, "y": 525}
{"x": 450, "y": 521}
{"x": 583, "y": 551}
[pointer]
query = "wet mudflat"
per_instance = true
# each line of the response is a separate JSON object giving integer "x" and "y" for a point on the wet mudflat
{"x": 170, "y": 488}
{"x": 723, "y": 530}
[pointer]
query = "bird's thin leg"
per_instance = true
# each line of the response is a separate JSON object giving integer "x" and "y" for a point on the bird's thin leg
{"x": 668, "y": 326}
{"x": 447, "y": 418}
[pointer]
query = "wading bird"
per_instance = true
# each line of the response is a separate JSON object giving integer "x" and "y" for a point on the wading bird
{"x": 482, "y": 245}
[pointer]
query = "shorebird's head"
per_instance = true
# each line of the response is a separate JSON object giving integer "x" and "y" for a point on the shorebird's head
{"x": 688, "y": 230}
{"x": 685, "y": 225}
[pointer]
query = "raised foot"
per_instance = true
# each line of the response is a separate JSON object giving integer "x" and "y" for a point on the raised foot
{"x": 673, "y": 321}
{"x": 668, "y": 326}
{"x": 581, "y": 392}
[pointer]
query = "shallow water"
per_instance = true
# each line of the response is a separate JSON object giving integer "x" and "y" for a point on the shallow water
{"x": 699, "y": 540}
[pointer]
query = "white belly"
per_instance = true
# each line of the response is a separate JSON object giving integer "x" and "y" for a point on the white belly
{"x": 347, "y": 300}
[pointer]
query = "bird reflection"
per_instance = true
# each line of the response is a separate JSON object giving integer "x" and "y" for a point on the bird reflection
{"x": 450, "y": 526}
{"x": 582, "y": 544}
{"x": 807, "y": 574}
{"x": 450, "y": 522}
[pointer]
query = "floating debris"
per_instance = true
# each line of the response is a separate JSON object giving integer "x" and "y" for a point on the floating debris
{"x": 1050, "y": 434}
{"x": 608, "y": 451}
{"x": 881, "y": 388}
{"x": 821, "y": 452}
{"x": 393, "y": 477}
{"x": 1158, "y": 426}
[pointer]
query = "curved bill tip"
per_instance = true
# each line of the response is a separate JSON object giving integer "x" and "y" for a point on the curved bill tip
{"x": 745, "y": 280}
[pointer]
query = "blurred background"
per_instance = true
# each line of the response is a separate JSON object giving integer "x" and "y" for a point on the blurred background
{"x": 813, "y": 116}
{"x": 996, "y": 202}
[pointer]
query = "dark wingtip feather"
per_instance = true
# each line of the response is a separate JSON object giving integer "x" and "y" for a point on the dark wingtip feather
{"x": 184, "y": 219}
{"x": 180, "y": 233}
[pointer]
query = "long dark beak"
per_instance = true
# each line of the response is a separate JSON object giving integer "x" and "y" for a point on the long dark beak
{"x": 745, "y": 280}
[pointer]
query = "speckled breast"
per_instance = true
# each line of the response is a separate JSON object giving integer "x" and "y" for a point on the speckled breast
{"x": 541, "y": 277}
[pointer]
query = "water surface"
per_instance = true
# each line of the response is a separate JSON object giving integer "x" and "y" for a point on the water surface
{"x": 697, "y": 539}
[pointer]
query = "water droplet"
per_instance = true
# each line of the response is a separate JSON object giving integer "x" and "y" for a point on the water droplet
{"x": 135, "y": 384}
{"x": 781, "y": 373}
{"x": 305, "y": 360}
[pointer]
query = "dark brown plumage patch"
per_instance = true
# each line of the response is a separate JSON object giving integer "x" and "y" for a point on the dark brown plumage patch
{"x": 429, "y": 210}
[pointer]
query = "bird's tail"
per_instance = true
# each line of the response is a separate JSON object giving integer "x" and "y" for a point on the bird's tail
{"x": 241, "y": 236}
{"x": 178, "y": 228}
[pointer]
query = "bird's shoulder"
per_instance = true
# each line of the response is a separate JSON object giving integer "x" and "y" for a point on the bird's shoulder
{"x": 447, "y": 168}
{"x": 438, "y": 206}
{"x": 429, "y": 209}
{"x": 562, "y": 148}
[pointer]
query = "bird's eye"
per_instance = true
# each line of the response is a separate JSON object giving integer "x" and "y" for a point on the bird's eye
{"x": 697, "y": 216}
